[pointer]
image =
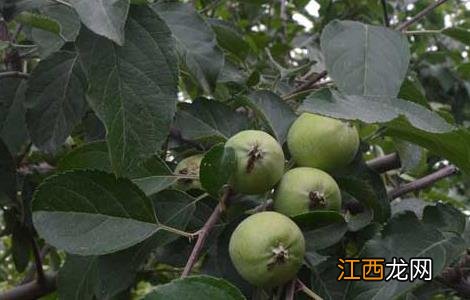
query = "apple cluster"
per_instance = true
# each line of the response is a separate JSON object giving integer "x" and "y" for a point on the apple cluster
{"x": 267, "y": 248}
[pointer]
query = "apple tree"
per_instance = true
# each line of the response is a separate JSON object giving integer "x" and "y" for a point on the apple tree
{"x": 221, "y": 149}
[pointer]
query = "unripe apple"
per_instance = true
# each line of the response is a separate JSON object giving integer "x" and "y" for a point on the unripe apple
{"x": 260, "y": 161}
{"x": 320, "y": 142}
{"x": 304, "y": 189}
{"x": 189, "y": 167}
{"x": 267, "y": 249}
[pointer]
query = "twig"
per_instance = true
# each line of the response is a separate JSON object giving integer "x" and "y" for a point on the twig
{"x": 40, "y": 277}
{"x": 420, "y": 15}
{"x": 307, "y": 85}
{"x": 384, "y": 163}
{"x": 307, "y": 291}
{"x": 32, "y": 290}
{"x": 31, "y": 270}
{"x": 204, "y": 232}
{"x": 422, "y": 182}
{"x": 429, "y": 31}
{"x": 384, "y": 8}
{"x": 15, "y": 74}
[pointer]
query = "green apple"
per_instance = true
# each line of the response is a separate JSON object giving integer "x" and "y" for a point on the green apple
{"x": 320, "y": 142}
{"x": 189, "y": 167}
{"x": 267, "y": 249}
{"x": 260, "y": 161}
{"x": 304, "y": 189}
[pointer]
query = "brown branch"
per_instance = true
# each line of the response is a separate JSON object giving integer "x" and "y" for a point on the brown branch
{"x": 384, "y": 163}
{"x": 32, "y": 270}
{"x": 291, "y": 289}
{"x": 14, "y": 74}
{"x": 40, "y": 277}
{"x": 423, "y": 182}
{"x": 32, "y": 290}
{"x": 420, "y": 15}
{"x": 306, "y": 85}
{"x": 203, "y": 233}
{"x": 302, "y": 287}
{"x": 384, "y": 8}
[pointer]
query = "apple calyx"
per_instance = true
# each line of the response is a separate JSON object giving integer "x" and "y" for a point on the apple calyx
{"x": 317, "y": 200}
{"x": 254, "y": 154}
{"x": 280, "y": 256}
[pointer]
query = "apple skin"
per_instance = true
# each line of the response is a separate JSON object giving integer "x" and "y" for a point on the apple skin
{"x": 189, "y": 166}
{"x": 321, "y": 142}
{"x": 260, "y": 161}
{"x": 255, "y": 242}
{"x": 300, "y": 188}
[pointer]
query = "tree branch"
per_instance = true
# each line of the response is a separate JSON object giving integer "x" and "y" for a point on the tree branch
{"x": 306, "y": 85}
{"x": 384, "y": 8}
{"x": 384, "y": 163}
{"x": 14, "y": 74}
{"x": 291, "y": 289}
{"x": 302, "y": 287}
{"x": 32, "y": 290}
{"x": 204, "y": 232}
{"x": 422, "y": 182}
{"x": 40, "y": 277}
{"x": 420, "y": 15}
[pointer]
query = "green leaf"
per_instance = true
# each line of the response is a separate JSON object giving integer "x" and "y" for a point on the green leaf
{"x": 374, "y": 110}
{"x": 13, "y": 129}
{"x": 464, "y": 70}
{"x": 7, "y": 176}
{"x": 217, "y": 167}
{"x": 321, "y": 229}
{"x": 367, "y": 187}
{"x": 406, "y": 237}
{"x": 69, "y": 21}
{"x": 230, "y": 39}
{"x": 55, "y": 99}
{"x": 93, "y": 156}
{"x": 104, "y": 17}
{"x": 363, "y": 59}
{"x": 445, "y": 217}
{"x": 38, "y": 21}
{"x": 20, "y": 247}
{"x": 92, "y": 213}
{"x": 413, "y": 91}
{"x": 151, "y": 176}
{"x": 198, "y": 287}
{"x": 209, "y": 119}
{"x": 277, "y": 115}
{"x": 459, "y": 34}
{"x": 133, "y": 88}
{"x": 82, "y": 278}
{"x": 196, "y": 41}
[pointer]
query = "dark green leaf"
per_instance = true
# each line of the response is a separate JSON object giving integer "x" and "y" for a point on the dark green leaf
{"x": 198, "y": 287}
{"x": 445, "y": 217}
{"x": 133, "y": 88}
{"x": 69, "y": 21}
{"x": 217, "y": 167}
{"x": 39, "y": 21}
{"x": 196, "y": 41}
{"x": 21, "y": 242}
{"x": 277, "y": 115}
{"x": 89, "y": 156}
{"x": 363, "y": 59}
{"x": 208, "y": 119}
{"x": 103, "y": 17}
{"x": 229, "y": 39}
{"x": 13, "y": 129}
{"x": 459, "y": 34}
{"x": 92, "y": 212}
{"x": 55, "y": 100}
{"x": 406, "y": 237}
{"x": 321, "y": 229}
{"x": 7, "y": 176}
{"x": 413, "y": 91}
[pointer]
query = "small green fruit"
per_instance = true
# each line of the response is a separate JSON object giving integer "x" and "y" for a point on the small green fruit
{"x": 260, "y": 161}
{"x": 267, "y": 249}
{"x": 320, "y": 142}
{"x": 189, "y": 167}
{"x": 304, "y": 189}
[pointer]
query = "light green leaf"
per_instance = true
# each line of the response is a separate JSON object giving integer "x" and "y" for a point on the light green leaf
{"x": 133, "y": 88}
{"x": 196, "y": 41}
{"x": 104, "y": 17}
{"x": 364, "y": 59}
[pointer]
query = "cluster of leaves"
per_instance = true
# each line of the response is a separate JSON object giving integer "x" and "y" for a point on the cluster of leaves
{"x": 100, "y": 99}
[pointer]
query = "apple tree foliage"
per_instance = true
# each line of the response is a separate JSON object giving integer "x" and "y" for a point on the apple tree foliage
{"x": 99, "y": 100}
